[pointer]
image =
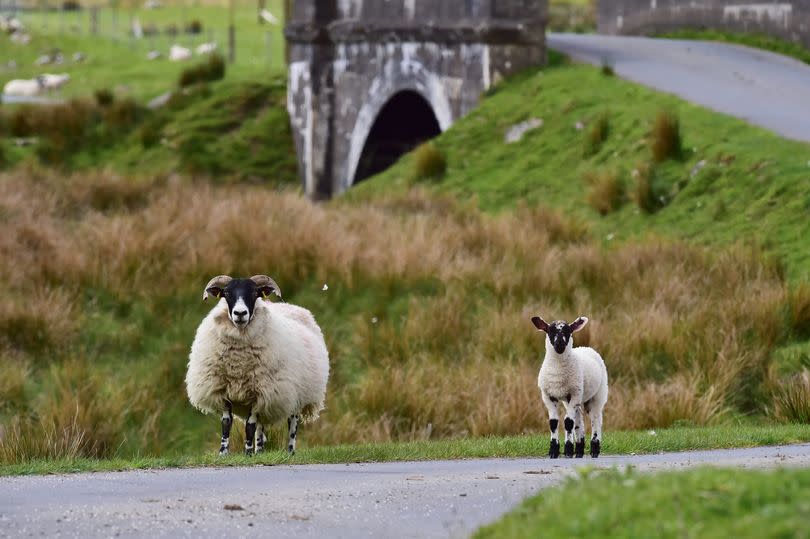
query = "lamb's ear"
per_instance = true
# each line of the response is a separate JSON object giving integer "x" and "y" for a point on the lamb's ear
{"x": 578, "y": 324}
{"x": 539, "y": 323}
{"x": 215, "y": 286}
{"x": 266, "y": 286}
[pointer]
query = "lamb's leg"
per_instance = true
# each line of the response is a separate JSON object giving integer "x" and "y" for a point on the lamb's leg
{"x": 570, "y": 414}
{"x": 227, "y": 421}
{"x": 579, "y": 433}
{"x": 261, "y": 437}
{"x": 292, "y": 423}
{"x": 250, "y": 433}
{"x": 553, "y": 423}
{"x": 596, "y": 429}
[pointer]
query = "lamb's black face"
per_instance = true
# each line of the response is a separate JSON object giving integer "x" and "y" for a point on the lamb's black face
{"x": 559, "y": 333}
{"x": 241, "y": 295}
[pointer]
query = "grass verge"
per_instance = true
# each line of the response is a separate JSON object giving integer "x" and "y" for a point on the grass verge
{"x": 704, "y": 502}
{"x": 615, "y": 443}
{"x": 758, "y": 41}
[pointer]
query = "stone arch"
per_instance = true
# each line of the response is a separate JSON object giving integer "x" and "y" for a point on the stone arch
{"x": 411, "y": 79}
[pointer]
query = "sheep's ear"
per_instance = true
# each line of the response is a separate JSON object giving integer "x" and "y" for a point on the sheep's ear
{"x": 215, "y": 286}
{"x": 266, "y": 286}
{"x": 579, "y": 323}
{"x": 539, "y": 323}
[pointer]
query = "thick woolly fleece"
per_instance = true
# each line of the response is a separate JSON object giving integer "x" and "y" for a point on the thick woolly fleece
{"x": 276, "y": 367}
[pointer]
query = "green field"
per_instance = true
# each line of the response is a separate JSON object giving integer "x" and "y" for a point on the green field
{"x": 696, "y": 503}
{"x": 118, "y": 62}
{"x": 429, "y": 341}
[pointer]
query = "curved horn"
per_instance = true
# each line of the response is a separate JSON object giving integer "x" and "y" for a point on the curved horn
{"x": 266, "y": 285}
{"x": 216, "y": 284}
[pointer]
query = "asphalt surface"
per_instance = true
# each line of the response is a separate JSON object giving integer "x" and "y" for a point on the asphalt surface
{"x": 760, "y": 87}
{"x": 405, "y": 499}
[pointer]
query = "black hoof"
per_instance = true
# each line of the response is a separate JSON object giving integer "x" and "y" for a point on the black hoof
{"x": 554, "y": 450}
{"x": 569, "y": 449}
{"x": 579, "y": 450}
{"x": 595, "y": 446}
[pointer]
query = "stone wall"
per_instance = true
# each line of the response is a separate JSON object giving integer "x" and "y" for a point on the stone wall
{"x": 785, "y": 20}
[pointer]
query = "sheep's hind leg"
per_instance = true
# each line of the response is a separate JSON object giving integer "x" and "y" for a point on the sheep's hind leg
{"x": 292, "y": 424}
{"x": 227, "y": 422}
{"x": 553, "y": 422}
{"x": 261, "y": 438}
{"x": 579, "y": 433}
{"x": 596, "y": 428}
{"x": 250, "y": 433}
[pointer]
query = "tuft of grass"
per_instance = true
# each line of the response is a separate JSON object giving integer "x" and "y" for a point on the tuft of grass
{"x": 210, "y": 70}
{"x": 104, "y": 97}
{"x": 644, "y": 194}
{"x": 706, "y": 502}
{"x": 605, "y": 191}
{"x": 429, "y": 163}
{"x": 800, "y": 311}
{"x": 791, "y": 399}
{"x": 665, "y": 138}
{"x": 597, "y": 134}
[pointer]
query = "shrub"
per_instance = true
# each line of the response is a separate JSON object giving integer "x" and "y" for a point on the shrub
{"x": 122, "y": 114}
{"x": 429, "y": 162}
{"x": 22, "y": 120}
{"x": 213, "y": 68}
{"x": 104, "y": 97}
{"x": 665, "y": 139}
{"x": 151, "y": 132}
{"x": 649, "y": 191}
{"x": 597, "y": 134}
{"x": 194, "y": 27}
{"x": 71, "y": 5}
{"x": 605, "y": 192}
{"x": 64, "y": 128}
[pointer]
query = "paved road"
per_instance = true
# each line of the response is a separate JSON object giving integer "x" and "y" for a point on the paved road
{"x": 407, "y": 499}
{"x": 763, "y": 88}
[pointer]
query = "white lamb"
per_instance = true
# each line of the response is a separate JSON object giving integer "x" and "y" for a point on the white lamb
{"x": 178, "y": 53}
{"x": 259, "y": 360}
{"x": 54, "y": 82}
{"x": 25, "y": 87}
{"x": 577, "y": 377}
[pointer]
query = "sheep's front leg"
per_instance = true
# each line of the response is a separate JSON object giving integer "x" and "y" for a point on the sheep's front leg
{"x": 250, "y": 433}
{"x": 571, "y": 406}
{"x": 227, "y": 422}
{"x": 553, "y": 423}
{"x": 579, "y": 433}
{"x": 292, "y": 423}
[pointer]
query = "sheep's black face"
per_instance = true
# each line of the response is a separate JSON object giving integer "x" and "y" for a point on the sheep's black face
{"x": 241, "y": 295}
{"x": 559, "y": 332}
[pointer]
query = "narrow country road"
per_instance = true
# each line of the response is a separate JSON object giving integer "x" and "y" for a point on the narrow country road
{"x": 760, "y": 87}
{"x": 401, "y": 499}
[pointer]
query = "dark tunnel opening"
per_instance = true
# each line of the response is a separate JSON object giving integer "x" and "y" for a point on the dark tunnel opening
{"x": 403, "y": 123}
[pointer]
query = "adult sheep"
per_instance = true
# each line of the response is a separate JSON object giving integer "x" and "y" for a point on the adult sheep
{"x": 24, "y": 87}
{"x": 258, "y": 360}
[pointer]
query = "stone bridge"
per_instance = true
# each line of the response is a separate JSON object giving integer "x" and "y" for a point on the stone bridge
{"x": 371, "y": 79}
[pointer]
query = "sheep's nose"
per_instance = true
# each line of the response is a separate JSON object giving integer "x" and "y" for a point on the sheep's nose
{"x": 240, "y": 314}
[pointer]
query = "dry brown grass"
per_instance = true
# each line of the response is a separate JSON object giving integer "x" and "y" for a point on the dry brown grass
{"x": 665, "y": 139}
{"x": 451, "y": 351}
{"x": 605, "y": 191}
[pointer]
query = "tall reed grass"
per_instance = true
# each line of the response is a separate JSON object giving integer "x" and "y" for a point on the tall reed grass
{"x": 426, "y": 314}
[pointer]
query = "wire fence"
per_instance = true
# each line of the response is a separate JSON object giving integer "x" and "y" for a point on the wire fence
{"x": 137, "y": 28}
